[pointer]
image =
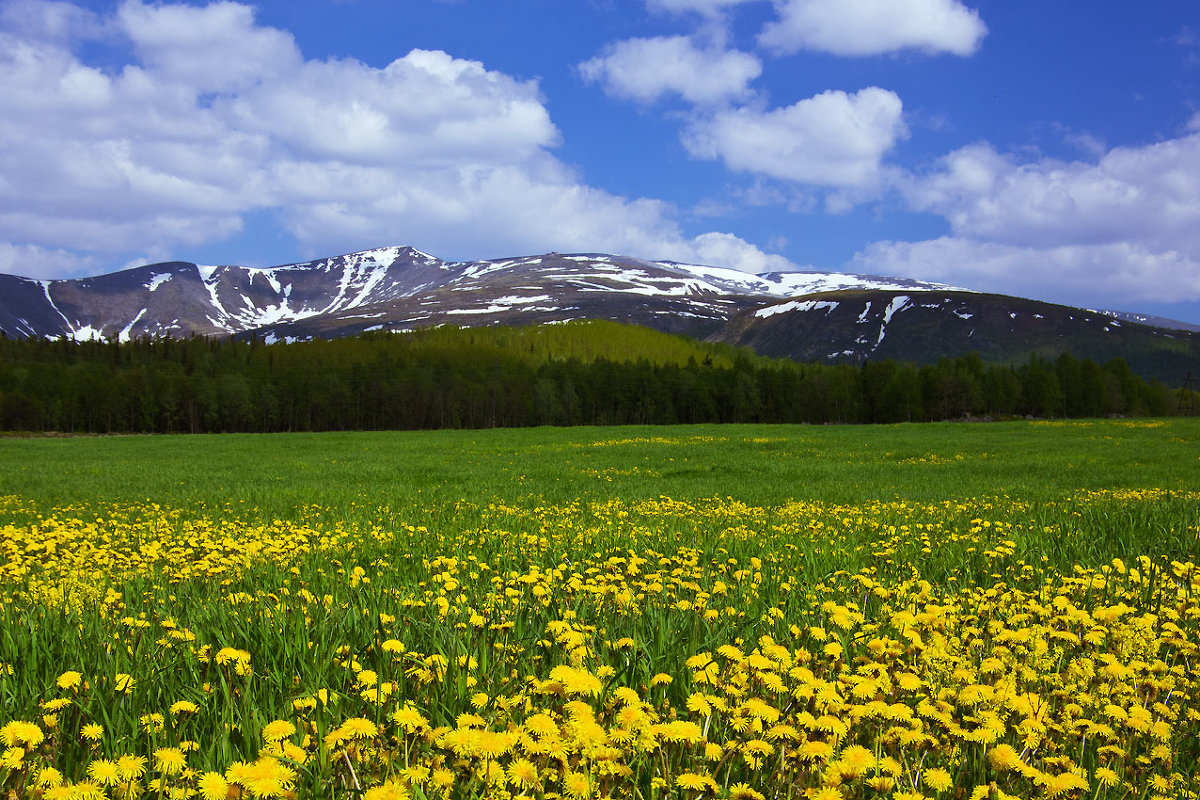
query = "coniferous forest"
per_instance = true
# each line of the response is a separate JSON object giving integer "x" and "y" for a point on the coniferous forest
{"x": 587, "y": 373}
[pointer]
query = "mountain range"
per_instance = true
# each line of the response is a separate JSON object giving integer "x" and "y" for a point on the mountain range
{"x": 822, "y": 316}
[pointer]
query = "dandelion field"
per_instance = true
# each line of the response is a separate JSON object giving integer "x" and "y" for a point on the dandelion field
{"x": 938, "y": 611}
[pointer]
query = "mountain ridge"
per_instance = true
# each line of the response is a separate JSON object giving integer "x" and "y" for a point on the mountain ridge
{"x": 822, "y": 316}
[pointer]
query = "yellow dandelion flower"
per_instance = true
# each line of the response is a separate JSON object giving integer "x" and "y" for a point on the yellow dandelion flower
{"x": 856, "y": 760}
{"x": 816, "y": 750}
{"x": 938, "y": 779}
{"x": 410, "y": 719}
{"x": 70, "y": 680}
{"x": 577, "y": 785}
{"x": 442, "y": 778}
{"x": 131, "y": 767}
{"x": 743, "y": 791}
{"x": 103, "y": 771}
{"x": 184, "y": 707}
{"x": 213, "y": 786}
{"x": 390, "y": 790}
{"x": 695, "y": 781}
{"x": 359, "y": 728}
{"x": 13, "y": 759}
{"x": 85, "y": 790}
{"x": 277, "y": 731}
{"x": 17, "y": 733}
{"x": 1004, "y": 757}
{"x": 522, "y": 774}
{"x": 169, "y": 760}
{"x": 49, "y": 777}
{"x": 93, "y": 731}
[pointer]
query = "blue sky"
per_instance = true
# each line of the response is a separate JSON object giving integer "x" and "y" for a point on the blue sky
{"x": 1047, "y": 150}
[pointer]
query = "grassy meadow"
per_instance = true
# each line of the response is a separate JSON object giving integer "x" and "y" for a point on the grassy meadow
{"x": 937, "y": 611}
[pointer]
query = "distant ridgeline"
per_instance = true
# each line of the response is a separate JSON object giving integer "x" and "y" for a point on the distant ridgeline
{"x": 585, "y": 373}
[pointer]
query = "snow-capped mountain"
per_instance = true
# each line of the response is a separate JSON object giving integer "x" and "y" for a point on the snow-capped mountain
{"x": 397, "y": 288}
{"x": 804, "y": 315}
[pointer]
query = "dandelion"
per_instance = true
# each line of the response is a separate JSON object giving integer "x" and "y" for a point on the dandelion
{"x": 577, "y": 785}
{"x": 213, "y": 786}
{"x": 103, "y": 771}
{"x": 856, "y": 760}
{"x": 938, "y": 779}
{"x": 410, "y": 719}
{"x": 743, "y": 791}
{"x": 131, "y": 767}
{"x": 389, "y": 790}
{"x": 1004, "y": 757}
{"x": 21, "y": 733}
{"x": 184, "y": 707}
{"x": 169, "y": 760}
{"x": 48, "y": 777}
{"x": 70, "y": 680}
{"x": 359, "y": 728}
{"x": 522, "y": 774}
{"x": 695, "y": 781}
{"x": 277, "y": 731}
{"x": 13, "y": 759}
{"x": 442, "y": 778}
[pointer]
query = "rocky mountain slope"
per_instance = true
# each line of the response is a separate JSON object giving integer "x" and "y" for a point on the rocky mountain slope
{"x": 396, "y": 288}
{"x": 803, "y": 315}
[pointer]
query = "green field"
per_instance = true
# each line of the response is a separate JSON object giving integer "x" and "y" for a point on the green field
{"x": 764, "y": 464}
{"x": 479, "y": 579}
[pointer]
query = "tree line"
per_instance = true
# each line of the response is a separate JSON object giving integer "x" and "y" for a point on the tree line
{"x": 591, "y": 374}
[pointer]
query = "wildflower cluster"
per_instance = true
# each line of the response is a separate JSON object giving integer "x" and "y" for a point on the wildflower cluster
{"x": 667, "y": 648}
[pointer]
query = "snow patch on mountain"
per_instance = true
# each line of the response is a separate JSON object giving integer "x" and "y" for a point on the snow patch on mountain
{"x": 157, "y": 280}
{"x": 795, "y": 305}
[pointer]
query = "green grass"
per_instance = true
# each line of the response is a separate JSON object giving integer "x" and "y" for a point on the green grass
{"x": 766, "y": 465}
{"x": 895, "y": 502}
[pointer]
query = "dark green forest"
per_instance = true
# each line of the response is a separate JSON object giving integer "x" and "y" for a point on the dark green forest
{"x": 587, "y": 373}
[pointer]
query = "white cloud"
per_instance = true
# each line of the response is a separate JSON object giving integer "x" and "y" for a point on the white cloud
{"x": 1106, "y": 275}
{"x": 31, "y": 261}
{"x": 706, "y": 7}
{"x": 725, "y": 249}
{"x": 834, "y": 139}
{"x": 1123, "y": 229}
{"x": 645, "y": 69}
{"x": 873, "y": 27}
{"x": 207, "y": 49}
{"x": 215, "y": 117}
{"x": 49, "y": 20}
{"x": 1146, "y": 194}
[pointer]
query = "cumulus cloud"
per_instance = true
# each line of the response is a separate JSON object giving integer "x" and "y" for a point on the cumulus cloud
{"x": 31, "y": 261}
{"x": 644, "y": 70}
{"x": 1107, "y": 276}
{"x": 1123, "y": 228}
{"x": 726, "y": 249}
{"x": 833, "y": 139}
{"x": 873, "y": 27}
{"x": 215, "y": 117}
{"x": 1149, "y": 194}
